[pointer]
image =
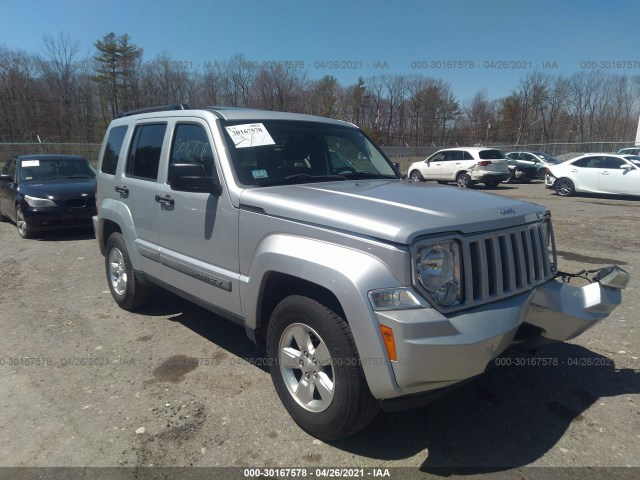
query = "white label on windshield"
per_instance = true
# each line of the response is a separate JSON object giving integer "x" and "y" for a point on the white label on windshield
{"x": 259, "y": 173}
{"x": 250, "y": 135}
{"x": 31, "y": 163}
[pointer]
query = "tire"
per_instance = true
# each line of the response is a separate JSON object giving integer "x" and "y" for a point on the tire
{"x": 463, "y": 180}
{"x": 126, "y": 289}
{"x": 416, "y": 176}
{"x": 22, "y": 225}
{"x": 335, "y": 401}
{"x": 491, "y": 184}
{"x": 564, "y": 187}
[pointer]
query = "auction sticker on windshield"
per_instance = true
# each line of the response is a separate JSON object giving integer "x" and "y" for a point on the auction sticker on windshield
{"x": 31, "y": 163}
{"x": 250, "y": 135}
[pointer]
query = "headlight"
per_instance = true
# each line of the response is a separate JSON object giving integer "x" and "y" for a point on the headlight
{"x": 38, "y": 202}
{"x": 438, "y": 272}
{"x": 400, "y": 298}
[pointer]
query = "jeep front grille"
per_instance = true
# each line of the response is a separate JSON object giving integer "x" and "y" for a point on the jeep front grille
{"x": 504, "y": 263}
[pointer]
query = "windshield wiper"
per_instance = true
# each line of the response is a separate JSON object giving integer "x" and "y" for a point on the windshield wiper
{"x": 365, "y": 175}
{"x": 299, "y": 178}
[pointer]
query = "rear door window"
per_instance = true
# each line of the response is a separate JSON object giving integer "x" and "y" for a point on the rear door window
{"x": 144, "y": 156}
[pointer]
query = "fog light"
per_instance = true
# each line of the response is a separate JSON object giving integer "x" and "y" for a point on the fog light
{"x": 613, "y": 277}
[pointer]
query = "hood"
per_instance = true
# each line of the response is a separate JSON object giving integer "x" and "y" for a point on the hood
{"x": 60, "y": 189}
{"x": 393, "y": 210}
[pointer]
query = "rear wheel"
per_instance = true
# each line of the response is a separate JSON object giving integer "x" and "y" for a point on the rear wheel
{"x": 416, "y": 176}
{"x": 564, "y": 187}
{"x": 463, "y": 180}
{"x": 126, "y": 289}
{"x": 316, "y": 370}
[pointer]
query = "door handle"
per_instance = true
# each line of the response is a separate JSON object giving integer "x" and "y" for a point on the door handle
{"x": 122, "y": 190}
{"x": 605, "y": 173}
{"x": 166, "y": 200}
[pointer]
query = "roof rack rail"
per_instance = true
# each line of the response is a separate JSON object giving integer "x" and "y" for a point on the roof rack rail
{"x": 159, "y": 108}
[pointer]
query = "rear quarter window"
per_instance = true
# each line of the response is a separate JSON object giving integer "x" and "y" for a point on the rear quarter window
{"x": 112, "y": 150}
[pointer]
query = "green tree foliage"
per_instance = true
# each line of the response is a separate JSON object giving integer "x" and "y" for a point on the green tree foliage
{"x": 116, "y": 65}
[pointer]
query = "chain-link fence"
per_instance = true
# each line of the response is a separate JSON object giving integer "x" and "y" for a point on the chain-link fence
{"x": 89, "y": 151}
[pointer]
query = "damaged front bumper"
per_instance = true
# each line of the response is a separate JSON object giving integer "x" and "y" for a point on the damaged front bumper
{"x": 563, "y": 311}
{"x": 436, "y": 351}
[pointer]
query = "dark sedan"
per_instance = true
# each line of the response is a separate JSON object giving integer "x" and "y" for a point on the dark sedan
{"x": 47, "y": 192}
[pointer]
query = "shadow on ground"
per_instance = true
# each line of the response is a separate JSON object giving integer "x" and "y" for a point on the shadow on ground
{"x": 508, "y": 418}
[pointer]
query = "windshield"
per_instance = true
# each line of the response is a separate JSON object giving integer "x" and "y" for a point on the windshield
{"x": 633, "y": 159}
{"x": 52, "y": 169}
{"x": 547, "y": 158}
{"x": 281, "y": 152}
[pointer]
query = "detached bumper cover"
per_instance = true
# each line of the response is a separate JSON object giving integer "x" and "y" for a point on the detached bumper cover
{"x": 564, "y": 311}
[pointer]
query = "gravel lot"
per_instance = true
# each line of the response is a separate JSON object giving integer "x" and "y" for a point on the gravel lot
{"x": 83, "y": 383}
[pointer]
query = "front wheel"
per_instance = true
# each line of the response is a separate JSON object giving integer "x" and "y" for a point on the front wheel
{"x": 126, "y": 289}
{"x": 564, "y": 187}
{"x": 316, "y": 370}
{"x": 21, "y": 223}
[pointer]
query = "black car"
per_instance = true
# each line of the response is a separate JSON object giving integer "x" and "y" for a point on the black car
{"x": 47, "y": 192}
{"x": 519, "y": 172}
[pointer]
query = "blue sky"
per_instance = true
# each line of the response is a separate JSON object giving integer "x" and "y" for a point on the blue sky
{"x": 349, "y": 39}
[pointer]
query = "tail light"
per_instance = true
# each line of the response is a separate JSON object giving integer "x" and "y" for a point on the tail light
{"x": 484, "y": 163}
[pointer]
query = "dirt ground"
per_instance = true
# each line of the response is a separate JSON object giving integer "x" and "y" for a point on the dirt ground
{"x": 84, "y": 383}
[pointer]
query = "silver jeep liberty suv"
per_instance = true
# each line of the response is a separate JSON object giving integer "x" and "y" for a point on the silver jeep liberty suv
{"x": 366, "y": 290}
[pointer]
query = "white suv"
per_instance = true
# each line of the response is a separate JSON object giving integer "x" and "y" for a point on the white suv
{"x": 465, "y": 166}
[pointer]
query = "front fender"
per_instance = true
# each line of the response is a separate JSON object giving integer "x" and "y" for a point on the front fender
{"x": 346, "y": 272}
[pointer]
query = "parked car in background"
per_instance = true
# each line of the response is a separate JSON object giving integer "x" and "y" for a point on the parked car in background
{"x": 465, "y": 166}
{"x": 629, "y": 151}
{"x": 520, "y": 173}
{"x": 47, "y": 192}
{"x": 596, "y": 173}
{"x": 540, "y": 160}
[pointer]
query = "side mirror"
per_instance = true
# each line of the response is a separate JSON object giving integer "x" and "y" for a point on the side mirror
{"x": 6, "y": 177}
{"x": 191, "y": 177}
{"x": 624, "y": 166}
